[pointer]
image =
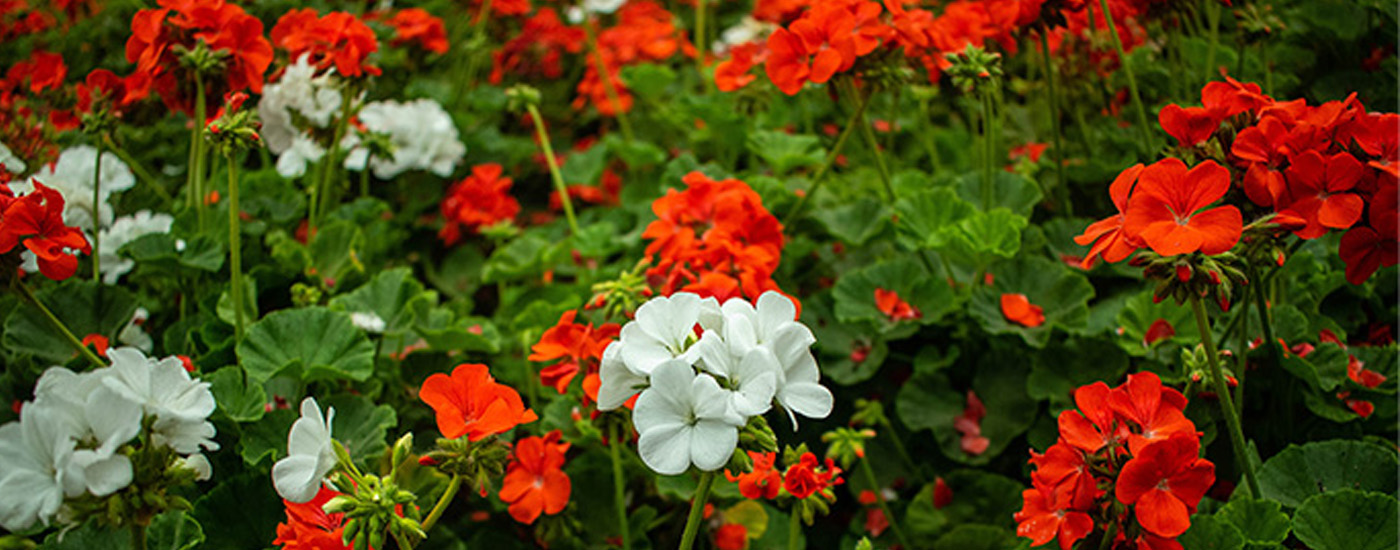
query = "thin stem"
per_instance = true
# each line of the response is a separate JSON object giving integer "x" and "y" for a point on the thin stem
{"x": 478, "y": 30}
{"x": 140, "y": 171}
{"x": 1243, "y": 354}
{"x": 697, "y": 510}
{"x": 899, "y": 446}
{"x": 1213, "y": 15}
{"x": 619, "y": 487}
{"x": 795, "y": 527}
{"x": 988, "y": 166}
{"x": 870, "y": 140}
{"x": 332, "y": 152}
{"x": 1062, "y": 187}
{"x": 197, "y": 157}
{"x": 138, "y": 536}
{"x": 443, "y": 501}
{"x": 57, "y": 324}
{"x": 1128, "y": 71}
{"x": 403, "y": 543}
{"x": 364, "y": 181}
{"x": 1227, "y": 405}
{"x": 830, "y": 160}
{"x": 235, "y": 249}
{"x": 96, "y": 210}
{"x": 700, "y": 44}
{"x": 884, "y": 506}
{"x": 559, "y": 186}
{"x": 605, "y": 76}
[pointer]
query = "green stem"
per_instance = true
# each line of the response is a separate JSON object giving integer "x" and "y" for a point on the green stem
{"x": 331, "y": 160}
{"x": 869, "y": 135}
{"x": 606, "y": 77}
{"x": 700, "y": 44}
{"x": 697, "y": 510}
{"x": 1143, "y": 128}
{"x": 57, "y": 324}
{"x": 1213, "y": 15}
{"x": 443, "y": 501}
{"x": 1227, "y": 405}
{"x": 198, "y": 154}
{"x": 988, "y": 165}
{"x": 403, "y": 543}
{"x": 96, "y": 210}
{"x": 138, "y": 536}
{"x": 478, "y": 31}
{"x": 364, "y": 182}
{"x": 830, "y": 160}
{"x": 235, "y": 249}
{"x": 619, "y": 487}
{"x": 795, "y": 528}
{"x": 554, "y": 173}
{"x": 884, "y": 506}
{"x": 899, "y": 444}
{"x": 140, "y": 171}
{"x": 1062, "y": 187}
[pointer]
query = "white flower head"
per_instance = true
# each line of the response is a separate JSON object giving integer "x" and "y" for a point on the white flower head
{"x": 122, "y": 231}
{"x": 423, "y": 136}
{"x": 72, "y": 176}
{"x": 100, "y": 421}
{"x": 36, "y": 451}
{"x": 310, "y": 454}
{"x": 316, "y": 99}
{"x": 368, "y": 322}
{"x": 754, "y": 375}
{"x": 181, "y": 405}
{"x": 134, "y": 335}
{"x": 773, "y": 326}
{"x": 292, "y": 161}
{"x": 684, "y": 419}
{"x": 664, "y": 329}
{"x": 602, "y": 6}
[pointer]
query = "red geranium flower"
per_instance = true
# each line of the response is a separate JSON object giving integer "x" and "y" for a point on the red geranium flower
{"x": 764, "y": 481}
{"x": 472, "y": 403}
{"x": 1110, "y": 241}
{"x": 418, "y": 26}
{"x": 1318, "y": 191}
{"x": 807, "y": 477}
{"x": 1365, "y": 249}
{"x": 479, "y": 200}
{"x": 338, "y": 39}
{"x": 733, "y": 73}
{"x": 1046, "y": 515}
{"x": 309, "y": 527}
{"x": 1165, "y": 482}
{"x": 1019, "y": 309}
{"x": 731, "y": 536}
{"x": 577, "y": 345}
{"x": 535, "y": 482}
{"x": 1190, "y": 126}
{"x": 1093, "y": 426}
{"x": 1168, "y": 210}
{"x": 157, "y": 34}
{"x": 1157, "y": 410}
{"x": 37, "y": 220}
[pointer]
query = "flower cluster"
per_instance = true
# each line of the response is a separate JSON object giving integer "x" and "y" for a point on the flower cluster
{"x": 803, "y": 478}
{"x": 336, "y": 39}
{"x": 293, "y": 108}
{"x": 417, "y": 26}
{"x": 645, "y": 31}
{"x": 470, "y": 402}
{"x": 715, "y": 238}
{"x": 696, "y": 391}
{"x": 1304, "y": 169}
{"x": 72, "y": 439}
{"x": 31, "y": 94}
{"x": 1127, "y": 462}
{"x": 577, "y": 348}
{"x": 420, "y": 135}
{"x": 36, "y": 220}
{"x": 535, "y": 481}
{"x": 125, "y": 230}
{"x": 826, "y": 40}
{"x": 480, "y": 200}
{"x": 310, "y": 527}
{"x": 538, "y": 49}
{"x": 236, "y": 50}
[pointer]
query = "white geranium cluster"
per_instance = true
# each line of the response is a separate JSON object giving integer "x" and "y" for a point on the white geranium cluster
{"x": 314, "y": 100}
{"x": 421, "y": 134}
{"x": 697, "y": 391}
{"x": 72, "y": 176}
{"x": 746, "y": 30}
{"x": 67, "y": 441}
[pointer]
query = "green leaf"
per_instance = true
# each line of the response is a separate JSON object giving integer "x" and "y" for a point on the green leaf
{"x": 240, "y": 513}
{"x": 855, "y": 222}
{"x": 855, "y": 292}
{"x": 634, "y": 153}
{"x": 311, "y": 343}
{"x": 1140, "y": 312}
{"x": 335, "y": 250}
{"x": 1347, "y": 520}
{"x": 84, "y": 307}
{"x": 648, "y": 80}
{"x": 240, "y": 401}
{"x": 387, "y": 296}
{"x": 224, "y": 310}
{"x": 1062, "y": 295}
{"x": 1299, "y": 472}
{"x": 266, "y": 438}
{"x": 172, "y": 530}
{"x": 1013, "y": 192}
{"x": 785, "y": 152}
{"x": 443, "y": 330}
{"x": 1260, "y": 521}
{"x": 976, "y": 537}
{"x": 1209, "y": 533}
{"x": 585, "y": 167}
{"x": 519, "y": 258}
{"x": 1070, "y": 364}
{"x": 930, "y": 402}
{"x": 360, "y": 425}
{"x": 925, "y": 218}
{"x": 982, "y": 236}
{"x": 169, "y": 255}
{"x": 1325, "y": 368}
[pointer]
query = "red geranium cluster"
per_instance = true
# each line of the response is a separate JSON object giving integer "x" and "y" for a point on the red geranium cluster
{"x": 29, "y": 120}
{"x": 802, "y": 479}
{"x": 535, "y": 481}
{"x": 18, "y": 18}
{"x": 1127, "y": 462}
{"x": 714, "y": 239}
{"x": 645, "y": 31}
{"x": 825, "y": 40}
{"x": 537, "y": 50}
{"x": 336, "y": 39}
{"x": 1312, "y": 168}
{"x": 310, "y": 527}
{"x": 417, "y": 26}
{"x": 479, "y": 200}
{"x": 36, "y": 219}
{"x": 160, "y": 35}
{"x": 577, "y": 347}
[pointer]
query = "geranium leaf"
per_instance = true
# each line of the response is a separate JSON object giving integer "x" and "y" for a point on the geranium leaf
{"x": 174, "y": 530}
{"x": 1299, "y": 472}
{"x": 239, "y": 513}
{"x": 1210, "y": 533}
{"x": 81, "y": 305}
{"x": 1260, "y": 521}
{"x": 242, "y": 402}
{"x": 925, "y": 218}
{"x": 785, "y": 152}
{"x": 387, "y": 296}
{"x": 1011, "y": 191}
{"x": 855, "y": 292}
{"x": 360, "y": 424}
{"x": 855, "y": 222}
{"x": 311, "y": 343}
{"x": 1061, "y": 294}
{"x": 1347, "y": 519}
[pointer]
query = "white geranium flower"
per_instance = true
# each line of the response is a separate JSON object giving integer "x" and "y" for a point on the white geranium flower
{"x": 315, "y": 98}
{"x": 310, "y": 454}
{"x": 292, "y": 161}
{"x": 747, "y": 30}
{"x": 35, "y": 451}
{"x": 684, "y": 419}
{"x": 12, "y": 163}
{"x": 421, "y": 132}
{"x": 754, "y": 376}
{"x": 664, "y": 329}
{"x": 72, "y": 176}
{"x": 773, "y": 326}
{"x": 180, "y": 404}
{"x": 603, "y": 6}
{"x": 122, "y": 231}
{"x": 616, "y": 381}
{"x": 368, "y": 322}
{"x": 134, "y": 335}
{"x": 202, "y": 469}
{"x": 100, "y": 421}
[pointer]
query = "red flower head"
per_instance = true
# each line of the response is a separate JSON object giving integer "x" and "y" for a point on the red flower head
{"x": 812, "y": 49}
{"x": 731, "y": 536}
{"x": 1046, "y": 515}
{"x": 1093, "y": 426}
{"x": 890, "y": 304}
{"x": 157, "y": 34}
{"x": 309, "y": 527}
{"x": 1190, "y": 126}
{"x": 36, "y": 219}
{"x": 535, "y": 482}
{"x": 807, "y": 478}
{"x": 764, "y": 481}
{"x": 1168, "y": 210}
{"x": 1018, "y": 309}
{"x": 1110, "y": 241}
{"x": 1233, "y": 97}
{"x": 1366, "y": 248}
{"x": 43, "y": 70}
{"x": 1157, "y": 410}
{"x": 1165, "y": 481}
{"x": 338, "y": 39}
{"x": 542, "y": 41}
{"x": 1319, "y": 191}
{"x": 577, "y": 345}
{"x": 472, "y": 403}
{"x": 479, "y": 200}
{"x": 734, "y": 73}
{"x": 416, "y": 25}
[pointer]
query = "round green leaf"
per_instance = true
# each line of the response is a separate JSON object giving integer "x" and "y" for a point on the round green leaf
{"x": 311, "y": 343}
{"x": 1347, "y": 519}
{"x": 855, "y": 292}
{"x": 1260, "y": 521}
{"x": 360, "y": 425}
{"x": 387, "y": 296}
{"x": 1062, "y": 294}
{"x": 1209, "y": 533}
{"x": 1300, "y": 472}
{"x": 242, "y": 402}
{"x": 81, "y": 307}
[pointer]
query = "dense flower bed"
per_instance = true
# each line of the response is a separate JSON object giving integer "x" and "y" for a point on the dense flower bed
{"x": 771, "y": 274}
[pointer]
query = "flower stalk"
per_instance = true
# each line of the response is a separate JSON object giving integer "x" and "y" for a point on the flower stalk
{"x": 1143, "y": 128}
{"x": 795, "y": 528}
{"x": 553, "y": 163}
{"x": 1062, "y": 185}
{"x": 884, "y": 506}
{"x": 235, "y": 248}
{"x": 444, "y": 500}
{"x": 195, "y": 177}
{"x": 874, "y": 145}
{"x": 697, "y": 510}
{"x": 1227, "y": 405}
{"x": 830, "y": 160}
{"x": 619, "y": 487}
{"x": 58, "y": 324}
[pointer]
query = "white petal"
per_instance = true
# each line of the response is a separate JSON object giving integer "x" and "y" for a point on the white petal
{"x": 114, "y": 419}
{"x": 807, "y": 399}
{"x": 775, "y": 311}
{"x": 791, "y": 342}
{"x": 712, "y": 444}
{"x": 666, "y": 449}
{"x": 641, "y": 350}
{"x": 617, "y": 383}
{"x": 712, "y": 402}
{"x": 296, "y": 478}
{"x": 27, "y": 496}
{"x": 714, "y": 354}
{"x": 668, "y": 400}
{"x": 197, "y": 462}
{"x": 107, "y": 475}
{"x": 711, "y": 317}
